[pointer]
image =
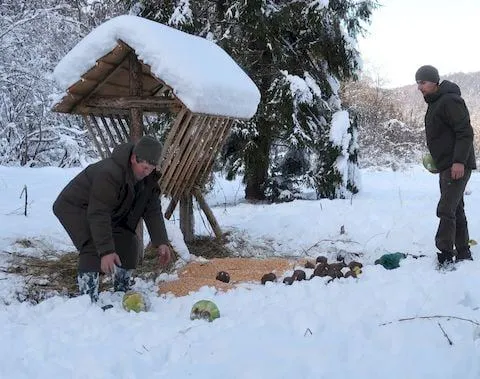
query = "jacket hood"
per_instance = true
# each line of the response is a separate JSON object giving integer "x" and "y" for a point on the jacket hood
{"x": 444, "y": 88}
{"x": 121, "y": 155}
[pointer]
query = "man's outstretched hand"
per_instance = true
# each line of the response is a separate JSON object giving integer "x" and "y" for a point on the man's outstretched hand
{"x": 164, "y": 255}
{"x": 109, "y": 262}
{"x": 458, "y": 170}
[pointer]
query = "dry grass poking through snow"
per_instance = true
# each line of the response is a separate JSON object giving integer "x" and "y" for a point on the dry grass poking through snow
{"x": 49, "y": 273}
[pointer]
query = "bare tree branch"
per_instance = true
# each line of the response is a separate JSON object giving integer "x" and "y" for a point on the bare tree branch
{"x": 433, "y": 317}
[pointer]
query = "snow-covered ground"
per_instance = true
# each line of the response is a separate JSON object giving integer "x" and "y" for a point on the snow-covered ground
{"x": 348, "y": 328}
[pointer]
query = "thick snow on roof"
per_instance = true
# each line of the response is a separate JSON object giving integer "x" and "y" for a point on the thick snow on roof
{"x": 203, "y": 76}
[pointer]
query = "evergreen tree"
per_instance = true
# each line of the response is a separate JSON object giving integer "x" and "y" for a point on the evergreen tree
{"x": 296, "y": 52}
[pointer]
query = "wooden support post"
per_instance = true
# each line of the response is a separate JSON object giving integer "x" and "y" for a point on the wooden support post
{"x": 136, "y": 114}
{"x": 136, "y": 130}
{"x": 171, "y": 208}
{"x": 208, "y": 212}
{"x": 186, "y": 217}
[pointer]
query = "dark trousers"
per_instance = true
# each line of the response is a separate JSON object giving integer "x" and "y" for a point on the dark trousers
{"x": 74, "y": 220}
{"x": 126, "y": 246}
{"x": 452, "y": 229}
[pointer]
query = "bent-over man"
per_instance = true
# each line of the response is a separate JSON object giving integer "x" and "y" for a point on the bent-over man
{"x": 101, "y": 207}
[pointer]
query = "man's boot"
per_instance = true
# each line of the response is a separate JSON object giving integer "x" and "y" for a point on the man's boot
{"x": 88, "y": 283}
{"x": 121, "y": 279}
{"x": 445, "y": 258}
{"x": 465, "y": 255}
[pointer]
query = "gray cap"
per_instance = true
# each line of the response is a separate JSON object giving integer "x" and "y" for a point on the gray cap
{"x": 148, "y": 149}
{"x": 427, "y": 73}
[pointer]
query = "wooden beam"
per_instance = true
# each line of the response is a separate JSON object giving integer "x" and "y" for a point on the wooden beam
{"x": 134, "y": 101}
{"x": 109, "y": 132}
{"x": 109, "y": 74}
{"x": 184, "y": 147}
{"x": 72, "y": 97}
{"x": 127, "y": 122}
{"x": 116, "y": 128}
{"x": 170, "y": 137}
{"x": 86, "y": 110}
{"x": 203, "y": 175}
{"x": 144, "y": 121}
{"x": 95, "y": 141}
{"x": 82, "y": 109}
{"x": 123, "y": 70}
{"x": 136, "y": 114}
{"x": 100, "y": 133}
{"x": 208, "y": 212}
{"x": 124, "y": 128}
{"x": 215, "y": 129}
{"x": 173, "y": 157}
{"x": 186, "y": 217}
{"x": 191, "y": 155}
{"x": 116, "y": 55}
{"x": 160, "y": 90}
{"x": 171, "y": 208}
{"x": 141, "y": 242}
{"x": 119, "y": 85}
{"x": 136, "y": 129}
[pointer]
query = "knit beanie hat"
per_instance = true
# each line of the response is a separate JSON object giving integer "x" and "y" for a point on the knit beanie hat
{"x": 148, "y": 149}
{"x": 428, "y": 74}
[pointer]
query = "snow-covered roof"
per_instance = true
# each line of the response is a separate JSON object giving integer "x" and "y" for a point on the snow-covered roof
{"x": 202, "y": 75}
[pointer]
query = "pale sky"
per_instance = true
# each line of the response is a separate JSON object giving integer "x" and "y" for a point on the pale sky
{"x": 406, "y": 34}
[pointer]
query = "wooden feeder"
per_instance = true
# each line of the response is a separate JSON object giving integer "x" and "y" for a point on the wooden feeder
{"x": 115, "y": 94}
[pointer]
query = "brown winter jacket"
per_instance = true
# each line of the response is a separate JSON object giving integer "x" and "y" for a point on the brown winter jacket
{"x": 447, "y": 127}
{"x": 105, "y": 195}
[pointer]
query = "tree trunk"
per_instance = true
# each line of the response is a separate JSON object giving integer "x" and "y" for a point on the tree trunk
{"x": 257, "y": 159}
{"x": 257, "y": 154}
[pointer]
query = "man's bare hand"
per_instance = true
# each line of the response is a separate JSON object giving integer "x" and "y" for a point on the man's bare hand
{"x": 164, "y": 255}
{"x": 109, "y": 262}
{"x": 458, "y": 170}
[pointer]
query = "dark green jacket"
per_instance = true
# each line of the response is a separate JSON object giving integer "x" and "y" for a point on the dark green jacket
{"x": 104, "y": 195}
{"x": 447, "y": 127}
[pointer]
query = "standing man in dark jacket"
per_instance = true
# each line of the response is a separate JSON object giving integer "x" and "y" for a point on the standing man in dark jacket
{"x": 101, "y": 207}
{"x": 450, "y": 141}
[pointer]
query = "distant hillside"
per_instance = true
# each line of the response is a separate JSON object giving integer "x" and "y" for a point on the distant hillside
{"x": 413, "y": 107}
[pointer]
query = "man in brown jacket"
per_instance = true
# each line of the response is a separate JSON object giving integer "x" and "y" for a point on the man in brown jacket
{"x": 450, "y": 142}
{"x": 101, "y": 207}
